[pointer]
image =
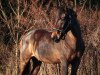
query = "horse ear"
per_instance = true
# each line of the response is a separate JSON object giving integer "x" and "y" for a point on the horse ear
{"x": 69, "y": 5}
{"x": 58, "y": 4}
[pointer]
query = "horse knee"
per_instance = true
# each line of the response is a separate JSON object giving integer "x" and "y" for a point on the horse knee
{"x": 36, "y": 70}
{"x": 36, "y": 66}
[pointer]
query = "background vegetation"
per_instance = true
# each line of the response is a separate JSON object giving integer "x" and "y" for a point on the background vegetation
{"x": 19, "y": 16}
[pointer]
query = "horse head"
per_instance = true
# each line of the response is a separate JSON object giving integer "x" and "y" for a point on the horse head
{"x": 65, "y": 22}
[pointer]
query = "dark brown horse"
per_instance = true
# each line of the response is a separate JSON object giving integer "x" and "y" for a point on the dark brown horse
{"x": 40, "y": 46}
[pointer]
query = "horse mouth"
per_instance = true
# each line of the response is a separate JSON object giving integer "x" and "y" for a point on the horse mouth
{"x": 56, "y": 39}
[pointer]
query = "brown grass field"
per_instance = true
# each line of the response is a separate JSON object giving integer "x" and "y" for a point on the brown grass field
{"x": 20, "y": 16}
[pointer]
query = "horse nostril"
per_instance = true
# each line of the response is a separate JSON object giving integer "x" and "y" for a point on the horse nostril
{"x": 54, "y": 38}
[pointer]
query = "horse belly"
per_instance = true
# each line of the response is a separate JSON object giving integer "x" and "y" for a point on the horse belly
{"x": 50, "y": 60}
{"x": 48, "y": 55}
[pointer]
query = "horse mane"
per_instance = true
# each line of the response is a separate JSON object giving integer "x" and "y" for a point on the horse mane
{"x": 76, "y": 30}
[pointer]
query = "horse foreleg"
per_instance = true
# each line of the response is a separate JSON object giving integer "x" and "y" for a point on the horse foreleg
{"x": 64, "y": 68}
{"x": 25, "y": 63}
{"x": 36, "y": 66}
{"x": 75, "y": 65}
{"x": 24, "y": 66}
{"x": 36, "y": 70}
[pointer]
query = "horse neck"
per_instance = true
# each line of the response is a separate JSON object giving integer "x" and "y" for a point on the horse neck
{"x": 70, "y": 34}
{"x": 70, "y": 40}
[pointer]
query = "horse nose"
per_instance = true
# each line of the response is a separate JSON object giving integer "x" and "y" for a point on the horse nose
{"x": 56, "y": 39}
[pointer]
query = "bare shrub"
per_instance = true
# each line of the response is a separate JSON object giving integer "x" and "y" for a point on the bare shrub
{"x": 20, "y": 16}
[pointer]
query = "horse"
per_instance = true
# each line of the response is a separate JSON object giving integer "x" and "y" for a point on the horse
{"x": 41, "y": 45}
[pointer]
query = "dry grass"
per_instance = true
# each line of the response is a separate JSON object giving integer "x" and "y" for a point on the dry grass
{"x": 90, "y": 25}
{"x": 32, "y": 16}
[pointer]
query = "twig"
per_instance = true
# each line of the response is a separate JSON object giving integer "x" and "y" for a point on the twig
{"x": 12, "y": 9}
{"x": 82, "y": 7}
